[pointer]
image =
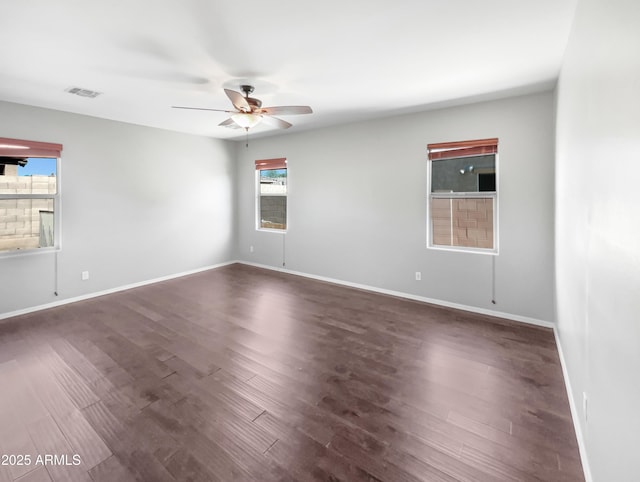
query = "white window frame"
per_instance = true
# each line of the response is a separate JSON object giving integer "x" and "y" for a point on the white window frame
{"x": 258, "y": 220}
{"x": 56, "y": 197}
{"x": 493, "y": 195}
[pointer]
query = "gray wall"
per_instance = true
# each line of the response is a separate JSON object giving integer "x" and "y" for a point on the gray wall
{"x": 357, "y": 205}
{"x": 598, "y": 231}
{"x": 137, "y": 203}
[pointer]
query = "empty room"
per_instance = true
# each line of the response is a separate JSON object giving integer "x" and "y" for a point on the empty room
{"x": 329, "y": 241}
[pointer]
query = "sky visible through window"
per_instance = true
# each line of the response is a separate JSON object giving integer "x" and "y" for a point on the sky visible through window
{"x": 38, "y": 166}
{"x": 271, "y": 173}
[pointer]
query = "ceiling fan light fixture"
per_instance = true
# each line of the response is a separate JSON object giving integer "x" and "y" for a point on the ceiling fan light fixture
{"x": 247, "y": 120}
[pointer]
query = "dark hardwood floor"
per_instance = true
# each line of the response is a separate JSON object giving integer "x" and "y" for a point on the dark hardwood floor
{"x": 245, "y": 374}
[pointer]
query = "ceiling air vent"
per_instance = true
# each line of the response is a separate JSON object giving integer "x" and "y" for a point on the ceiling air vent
{"x": 83, "y": 92}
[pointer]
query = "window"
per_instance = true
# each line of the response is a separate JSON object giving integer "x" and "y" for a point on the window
{"x": 29, "y": 195}
{"x": 462, "y": 203}
{"x": 271, "y": 194}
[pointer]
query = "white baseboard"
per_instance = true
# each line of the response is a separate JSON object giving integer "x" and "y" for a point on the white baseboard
{"x": 575, "y": 416}
{"x": 400, "y": 294}
{"x": 66, "y": 301}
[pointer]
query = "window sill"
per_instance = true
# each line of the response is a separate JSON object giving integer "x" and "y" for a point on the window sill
{"x": 464, "y": 249}
{"x": 18, "y": 253}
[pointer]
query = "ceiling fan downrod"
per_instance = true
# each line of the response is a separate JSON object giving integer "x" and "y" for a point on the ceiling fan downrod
{"x": 247, "y": 89}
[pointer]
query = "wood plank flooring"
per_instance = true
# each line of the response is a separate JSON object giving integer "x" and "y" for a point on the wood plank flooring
{"x": 246, "y": 374}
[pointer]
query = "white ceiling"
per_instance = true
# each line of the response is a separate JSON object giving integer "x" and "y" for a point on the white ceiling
{"x": 347, "y": 60}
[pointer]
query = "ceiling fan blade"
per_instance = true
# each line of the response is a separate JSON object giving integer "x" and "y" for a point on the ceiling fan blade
{"x": 238, "y": 101}
{"x": 229, "y": 123}
{"x": 200, "y": 108}
{"x": 275, "y": 122}
{"x": 287, "y": 110}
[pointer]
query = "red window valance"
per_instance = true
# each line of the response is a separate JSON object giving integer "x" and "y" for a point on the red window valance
{"x": 22, "y": 148}
{"x": 280, "y": 163}
{"x": 450, "y": 150}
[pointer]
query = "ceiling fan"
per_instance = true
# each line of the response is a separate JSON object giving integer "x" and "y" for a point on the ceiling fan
{"x": 249, "y": 111}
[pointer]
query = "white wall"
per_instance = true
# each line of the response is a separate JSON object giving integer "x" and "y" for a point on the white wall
{"x": 357, "y": 205}
{"x": 137, "y": 203}
{"x": 598, "y": 230}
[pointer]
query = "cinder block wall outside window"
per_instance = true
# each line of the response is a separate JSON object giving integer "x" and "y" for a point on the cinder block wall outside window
{"x": 20, "y": 218}
{"x": 462, "y": 222}
{"x": 273, "y": 212}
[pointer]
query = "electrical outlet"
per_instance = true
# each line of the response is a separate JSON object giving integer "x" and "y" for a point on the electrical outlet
{"x": 85, "y": 275}
{"x": 251, "y": 249}
{"x": 418, "y": 275}
{"x": 585, "y": 406}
